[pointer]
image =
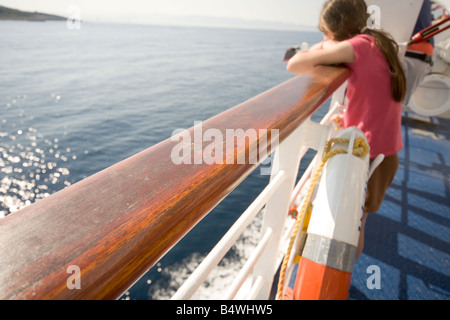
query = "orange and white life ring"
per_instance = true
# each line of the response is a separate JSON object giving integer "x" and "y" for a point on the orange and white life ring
{"x": 326, "y": 264}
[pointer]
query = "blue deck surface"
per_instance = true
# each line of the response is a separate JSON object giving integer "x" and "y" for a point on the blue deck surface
{"x": 409, "y": 238}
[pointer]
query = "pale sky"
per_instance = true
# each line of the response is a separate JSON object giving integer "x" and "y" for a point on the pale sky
{"x": 304, "y": 12}
{"x": 299, "y": 12}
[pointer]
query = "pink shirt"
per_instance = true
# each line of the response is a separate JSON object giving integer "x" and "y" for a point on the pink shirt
{"x": 371, "y": 107}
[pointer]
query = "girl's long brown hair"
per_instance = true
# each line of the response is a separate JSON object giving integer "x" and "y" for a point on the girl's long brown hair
{"x": 348, "y": 18}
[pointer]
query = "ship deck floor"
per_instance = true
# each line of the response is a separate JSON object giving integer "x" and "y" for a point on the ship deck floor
{"x": 409, "y": 238}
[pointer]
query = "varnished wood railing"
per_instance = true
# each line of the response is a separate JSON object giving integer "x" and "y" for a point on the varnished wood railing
{"x": 115, "y": 225}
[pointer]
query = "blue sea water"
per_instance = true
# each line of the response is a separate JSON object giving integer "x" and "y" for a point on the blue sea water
{"x": 73, "y": 102}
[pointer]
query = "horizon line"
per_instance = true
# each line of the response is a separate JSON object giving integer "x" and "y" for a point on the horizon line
{"x": 163, "y": 19}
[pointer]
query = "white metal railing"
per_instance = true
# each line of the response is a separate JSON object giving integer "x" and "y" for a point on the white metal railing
{"x": 248, "y": 267}
{"x": 212, "y": 260}
{"x": 261, "y": 266}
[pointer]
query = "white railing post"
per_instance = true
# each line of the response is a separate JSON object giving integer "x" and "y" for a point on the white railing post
{"x": 287, "y": 159}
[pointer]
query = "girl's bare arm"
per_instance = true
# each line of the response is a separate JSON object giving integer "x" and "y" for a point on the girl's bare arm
{"x": 331, "y": 53}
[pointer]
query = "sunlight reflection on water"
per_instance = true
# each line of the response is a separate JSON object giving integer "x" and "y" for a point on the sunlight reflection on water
{"x": 30, "y": 163}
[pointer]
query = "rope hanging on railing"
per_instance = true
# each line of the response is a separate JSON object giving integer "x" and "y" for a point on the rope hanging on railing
{"x": 360, "y": 148}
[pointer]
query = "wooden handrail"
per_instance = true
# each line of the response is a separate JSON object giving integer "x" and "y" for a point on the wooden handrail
{"x": 116, "y": 224}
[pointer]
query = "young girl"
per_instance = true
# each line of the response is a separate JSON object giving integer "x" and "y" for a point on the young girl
{"x": 376, "y": 87}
